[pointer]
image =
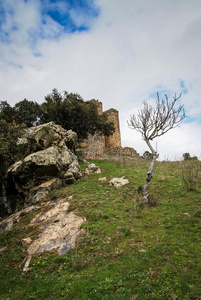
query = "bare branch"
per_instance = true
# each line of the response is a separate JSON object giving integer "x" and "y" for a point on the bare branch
{"x": 153, "y": 122}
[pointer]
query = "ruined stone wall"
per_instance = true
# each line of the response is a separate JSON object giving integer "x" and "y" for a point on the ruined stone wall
{"x": 94, "y": 146}
{"x": 97, "y": 145}
{"x": 123, "y": 152}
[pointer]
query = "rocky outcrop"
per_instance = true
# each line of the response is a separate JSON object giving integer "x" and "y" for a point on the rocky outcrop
{"x": 57, "y": 228}
{"x": 49, "y": 162}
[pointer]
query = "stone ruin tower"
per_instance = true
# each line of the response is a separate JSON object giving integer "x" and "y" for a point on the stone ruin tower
{"x": 114, "y": 140}
{"x": 97, "y": 144}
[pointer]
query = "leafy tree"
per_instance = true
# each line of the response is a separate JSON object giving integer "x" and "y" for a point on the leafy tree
{"x": 187, "y": 156}
{"x": 24, "y": 112}
{"x": 27, "y": 112}
{"x": 72, "y": 112}
{"x": 7, "y": 113}
{"x": 153, "y": 122}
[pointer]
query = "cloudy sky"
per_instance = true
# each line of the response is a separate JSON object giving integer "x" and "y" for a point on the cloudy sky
{"x": 120, "y": 52}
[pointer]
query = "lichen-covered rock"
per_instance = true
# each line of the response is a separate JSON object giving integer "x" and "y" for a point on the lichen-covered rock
{"x": 45, "y": 135}
{"x": 39, "y": 192}
{"x": 118, "y": 182}
{"x": 56, "y": 228}
{"x": 8, "y": 223}
{"x": 92, "y": 168}
{"x": 59, "y": 230}
{"x": 49, "y": 155}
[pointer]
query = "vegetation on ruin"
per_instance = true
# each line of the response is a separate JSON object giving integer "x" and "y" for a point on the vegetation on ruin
{"x": 129, "y": 250}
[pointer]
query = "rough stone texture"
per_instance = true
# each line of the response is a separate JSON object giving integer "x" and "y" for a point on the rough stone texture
{"x": 97, "y": 145}
{"x": 94, "y": 146}
{"x": 123, "y": 152}
{"x": 8, "y": 223}
{"x": 39, "y": 192}
{"x": 57, "y": 228}
{"x": 113, "y": 140}
{"x": 45, "y": 135}
{"x": 27, "y": 241}
{"x": 60, "y": 229}
{"x": 49, "y": 162}
{"x": 118, "y": 182}
{"x": 92, "y": 168}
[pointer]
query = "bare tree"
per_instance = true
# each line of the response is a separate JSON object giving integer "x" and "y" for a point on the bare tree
{"x": 153, "y": 122}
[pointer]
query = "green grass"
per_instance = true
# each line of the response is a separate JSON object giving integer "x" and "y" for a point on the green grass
{"x": 128, "y": 250}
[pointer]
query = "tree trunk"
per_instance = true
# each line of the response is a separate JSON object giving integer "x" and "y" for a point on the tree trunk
{"x": 149, "y": 173}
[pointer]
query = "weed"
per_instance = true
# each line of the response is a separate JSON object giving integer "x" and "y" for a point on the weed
{"x": 190, "y": 174}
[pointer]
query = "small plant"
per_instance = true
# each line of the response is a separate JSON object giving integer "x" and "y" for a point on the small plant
{"x": 190, "y": 175}
{"x": 153, "y": 201}
{"x": 140, "y": 190}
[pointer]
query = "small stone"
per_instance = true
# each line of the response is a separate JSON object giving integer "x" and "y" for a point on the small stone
{"x": 2, "y": 249}
{"x": 92, "y": 167}
{"x": 102, "y": 179}
{"x": 69, "y": 198}
{"x": 186, "y": 214}
{"x": 143, "y": 251}
{"x": 27, "y": 241}
{"x": 27, "y": 263}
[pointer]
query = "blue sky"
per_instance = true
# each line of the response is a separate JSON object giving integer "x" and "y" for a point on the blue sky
{"x": 66, "y": 16}
{"x": 64, "y": 12}
{"x": 120, "y": 52}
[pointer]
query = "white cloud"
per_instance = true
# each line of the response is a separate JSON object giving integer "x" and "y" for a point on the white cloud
{"x": 133, "y": 49}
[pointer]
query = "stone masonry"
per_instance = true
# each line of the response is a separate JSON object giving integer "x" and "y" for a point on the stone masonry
{"x": 97, "y": 145}
{"x": 113, "y": 140}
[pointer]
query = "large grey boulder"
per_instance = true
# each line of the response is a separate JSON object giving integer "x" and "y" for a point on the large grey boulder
{"x": 49, "y": 162}
{"x": 46, "y": 135}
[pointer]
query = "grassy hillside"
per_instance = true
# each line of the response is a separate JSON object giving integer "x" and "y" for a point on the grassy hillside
{"x": 128, "y": 251}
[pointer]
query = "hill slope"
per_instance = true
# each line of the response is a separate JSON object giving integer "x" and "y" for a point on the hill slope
{"x": 127, "y": 251}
